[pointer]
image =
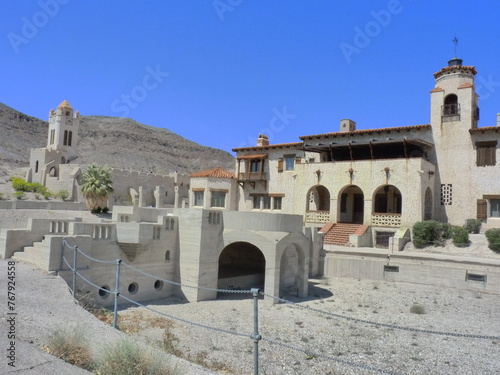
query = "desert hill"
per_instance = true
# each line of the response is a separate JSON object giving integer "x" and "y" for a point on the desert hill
{"x": 113, "y": 141}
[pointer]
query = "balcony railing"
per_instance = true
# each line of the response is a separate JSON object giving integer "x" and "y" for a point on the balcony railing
{"x": 317, "y": 216}
{"x": 452, "y": 109}
{"x": 386, "y": 220}
{"x": 252, "y": 176}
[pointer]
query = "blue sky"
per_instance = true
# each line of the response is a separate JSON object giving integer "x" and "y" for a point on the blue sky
{"x": 221, "y": 72}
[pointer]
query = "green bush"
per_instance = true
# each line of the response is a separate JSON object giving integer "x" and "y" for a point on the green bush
{"x": 430, "y": 232}
{"x": 417, "y": 309}
{"x": 473, "y": 225}
{"x": 493, "y": 236}
{"x": 460, "y": 236}
{"x": 18, "y": 184}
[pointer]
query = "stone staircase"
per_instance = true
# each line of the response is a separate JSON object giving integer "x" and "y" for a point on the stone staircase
{"x": 37, "y": 254}
{"x": 338, "y": 233}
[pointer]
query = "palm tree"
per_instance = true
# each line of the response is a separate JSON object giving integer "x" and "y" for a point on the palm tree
{"x": 96, "y": 185}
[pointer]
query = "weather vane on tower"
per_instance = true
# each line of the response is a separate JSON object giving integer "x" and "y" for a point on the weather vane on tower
{"x": 455, "y": 41}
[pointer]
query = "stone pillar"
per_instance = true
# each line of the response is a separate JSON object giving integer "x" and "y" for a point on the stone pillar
{"x": 142, "y": 197}
{"x": 159, "y": 193}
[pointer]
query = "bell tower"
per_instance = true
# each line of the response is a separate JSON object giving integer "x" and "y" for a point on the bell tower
{"x": 454, "y": 112}
{"x": 454, "y": 99}
{"x": 63, "y": 130}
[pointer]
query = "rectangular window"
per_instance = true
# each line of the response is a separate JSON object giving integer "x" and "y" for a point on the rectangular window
{"x": 486, "y": 153}
{"x": 255, "y": 166}
{"x": 343, "y": 203}
{"x": 495, "y": 207}
{"x": 289, "y": 162}
{"x": 52, "y": 136}
{"x": 277, "y": 203}
{"x": 266, "y": 202}
{"x": 218, "y": 199}
{"x": 198, "y": 198}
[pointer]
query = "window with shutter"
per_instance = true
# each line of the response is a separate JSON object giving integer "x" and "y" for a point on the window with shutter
{"x": 486, "y": 153}
{"x": 280, "y": 165}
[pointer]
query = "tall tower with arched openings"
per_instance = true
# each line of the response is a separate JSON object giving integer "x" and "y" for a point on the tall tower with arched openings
{"x": 63, "y": 130}
{"x": 454, "y": 112}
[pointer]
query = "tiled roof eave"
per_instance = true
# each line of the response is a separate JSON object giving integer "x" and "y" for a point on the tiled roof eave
{"x": 367, "y": 131}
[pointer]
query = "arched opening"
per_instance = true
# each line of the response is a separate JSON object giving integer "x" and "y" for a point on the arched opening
{"x": 65, "y": 140}
{"x": 36, "y": 166}
{"x": 428, "y": 204}
{"x": 63, "y": 160}
{"x": 70, "y": 136}
{"x": 53, "y": 172}
{"x": 318, "y": 204}
{"x": 241, "y": 266}
{"x": 451, "y": 106}
{"x": 387, "y": 200}
{"x": 351, "y": 205}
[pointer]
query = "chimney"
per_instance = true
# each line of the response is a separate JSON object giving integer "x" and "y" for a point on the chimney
{"x": 262, "y": 140}
{"x": 347, "y": 125}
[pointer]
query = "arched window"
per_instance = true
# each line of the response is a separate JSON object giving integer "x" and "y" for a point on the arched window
{"x": 36, "y": 166}
{"x": 65, "y": 141}
{"x": 451, "y": 106}
{"x": 70, "y": 135}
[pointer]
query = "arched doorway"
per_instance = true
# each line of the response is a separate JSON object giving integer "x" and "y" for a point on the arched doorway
{"x": 318, "y": 204}
{"x": 387, "y": 200}
{"x": 351, "y": 205}
{"x": 241, "y": 266}
{"x": 53, "y": 172}
{"x": 428, "y": 204}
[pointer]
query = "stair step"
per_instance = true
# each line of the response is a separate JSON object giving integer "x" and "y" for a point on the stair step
{"x": 338, "y": 234}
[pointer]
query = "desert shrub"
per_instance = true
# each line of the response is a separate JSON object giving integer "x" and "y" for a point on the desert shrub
{"x": 105, "y": 210}
{"x": 96, "y": 210}
{"x": 71, "y": 346}
{"x": 417, "y": 309}
{"x": 460, "y": 236}
{"x": 430, "y": 232}
{"x": 127, "y": 358}
{"x": 493, "y": 236}
{"x": 19, "y": 194}
{"x": 473, "y": 225}
{"x": 62, "y": 194}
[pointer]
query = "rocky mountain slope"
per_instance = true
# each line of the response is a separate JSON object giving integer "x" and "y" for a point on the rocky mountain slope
{"x": 113, "y": 141}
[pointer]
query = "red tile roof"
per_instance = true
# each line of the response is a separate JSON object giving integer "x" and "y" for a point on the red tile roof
{"x": 465, "y": 85}
{"x": 64, "y": 105}
{"x": 437, "y": 89}
{"x": 278, "y": 145}
{"x": 214, "y": 173}
{"x": 253, "y": 156}
{"x": 367, "y": 131}
{"x": 453, "y": 68}
{"x": 485, "y": 129}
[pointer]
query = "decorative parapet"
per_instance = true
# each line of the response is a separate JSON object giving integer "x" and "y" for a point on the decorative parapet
{"x": 386, "y": 220}
{"x": 317, "y": 216}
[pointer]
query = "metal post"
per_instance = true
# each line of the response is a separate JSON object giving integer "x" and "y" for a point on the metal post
{"x": 75, "y": 252}
{"x": 255, "y": 335}
{"x": 117, "y": 292}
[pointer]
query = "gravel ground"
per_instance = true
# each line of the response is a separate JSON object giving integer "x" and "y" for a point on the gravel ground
{"x": 44, "y": 304}
{"x": 333, "y": 341}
